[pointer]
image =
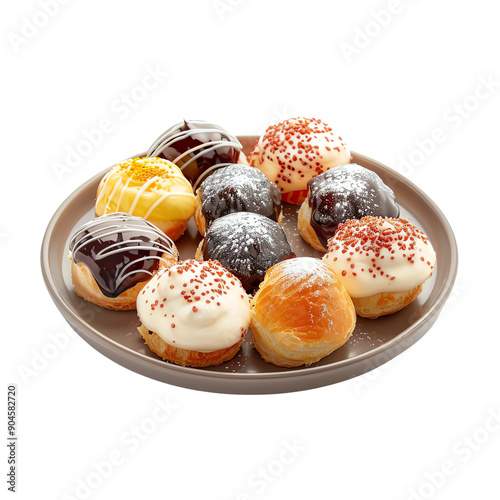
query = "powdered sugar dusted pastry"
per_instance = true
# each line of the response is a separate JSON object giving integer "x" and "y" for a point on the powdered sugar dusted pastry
{"x": 114, "y": 256}
{"x": 296, "y": 150}
{"x": 301, "y": 313}
{"x": 247, "y": 245}
{"x": 198, "y": 148}
{"x": 236, "y": 188}
{"x": 382, "y": 262}
{"x": 346, "y": 192}
{"x": 194, "y": 314}
{"x": 151, "y": 188}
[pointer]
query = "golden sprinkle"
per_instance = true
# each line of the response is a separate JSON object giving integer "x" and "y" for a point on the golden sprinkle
{"x": 144, "y": 169}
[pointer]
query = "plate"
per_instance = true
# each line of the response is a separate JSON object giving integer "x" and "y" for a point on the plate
{"x": 373, "y": 342}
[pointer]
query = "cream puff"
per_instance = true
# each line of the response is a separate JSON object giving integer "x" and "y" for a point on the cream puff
{"x": 246, "y": 244}
{"x": 198, "y": 148}
{"x": 194, "y": 314}
{"x": 301, "y": 313}
{"x": 236, "y": 188}
{"x": 114, "y": 256}
{"x": 294, "y": 151}
{"x": 337, "y": 195}
{"x": 382, "y": 262}
{"x": 151, "y": 188}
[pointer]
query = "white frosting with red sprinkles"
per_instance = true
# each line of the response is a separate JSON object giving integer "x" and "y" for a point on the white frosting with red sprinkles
{"x": 294, "y": 151}
{"x": 375, "y": 255}
{"x": 195, "y": 305}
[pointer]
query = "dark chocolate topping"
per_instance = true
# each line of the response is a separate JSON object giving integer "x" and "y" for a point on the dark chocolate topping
{"x": 197, "y": 147}
{"x": 347, "y": 192}
{"x": 239, "y": 188}
{"x": 247, "y": 245}
{"x": 120, "y": 250}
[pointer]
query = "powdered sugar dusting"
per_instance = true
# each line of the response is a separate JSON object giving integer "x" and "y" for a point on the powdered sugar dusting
{"x": 239, "y": 188}
{"x": 247, "y": 244}
{"x": 349, "y": 192}
{"x": 314, "y": 270}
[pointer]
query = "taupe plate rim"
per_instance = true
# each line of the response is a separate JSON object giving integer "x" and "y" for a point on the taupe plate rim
{"x": 77, "y": 321}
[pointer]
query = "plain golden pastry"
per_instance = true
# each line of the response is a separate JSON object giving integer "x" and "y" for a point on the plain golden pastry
{"x": 301, "y": 313}
{"x": 151, "y": 188}
{"x": 382, "y": 262}
{"x": 114, "y": 256}
{"x": 342, "y": 193}
{"x": 294, "y": 151}
{"x": 236, "y": 188}
{"x": 194, "y": 314}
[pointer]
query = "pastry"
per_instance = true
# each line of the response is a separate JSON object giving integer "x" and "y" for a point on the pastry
{"x": 236, "y": 188}
{"x": 114, "y": 256}
{"x": 246, "y": 244}
{"x": 198, "y": 147}
{"x": 301, "y": 313}
{"x": 382, "y": 262}
{"x": 151, "y": 188}
{"x": 346, "y": 192}
{"x": 194, "y": 314}
{"x": 294, "y": 151}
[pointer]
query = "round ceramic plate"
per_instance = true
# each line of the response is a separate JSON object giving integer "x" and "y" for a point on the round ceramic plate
{"x": 372, "y": 343}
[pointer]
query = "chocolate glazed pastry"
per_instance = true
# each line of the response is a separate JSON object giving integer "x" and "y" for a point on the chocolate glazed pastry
{"x": 347, "y": 192}
{"x": 247, "y": 245}
{"x": 197, "y": 147}
{"x": 236, "y": 188}
{"x": 120, "y": 250}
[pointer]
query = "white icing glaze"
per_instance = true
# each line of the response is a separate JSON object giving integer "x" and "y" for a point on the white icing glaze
{"x": 195, "y": 305}
{"x": 394, "y": 257}
{"x": 296, "y": 150}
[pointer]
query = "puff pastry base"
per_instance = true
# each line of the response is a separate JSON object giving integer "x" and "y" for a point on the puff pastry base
{"x": 306, "y": 230}
{"x": 185, "y": 357}
{"x": 86, "y": 287}
{"x": 384, "y": 303}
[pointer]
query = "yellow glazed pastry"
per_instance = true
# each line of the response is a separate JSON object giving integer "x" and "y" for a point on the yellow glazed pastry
{"x": 149, "y": 187}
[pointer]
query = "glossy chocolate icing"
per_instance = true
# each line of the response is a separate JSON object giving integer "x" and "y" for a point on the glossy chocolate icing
{"x": 120, "y": 250}
{"x": 347, "y": 192}
{"x": 247, "y": 245}
{"x": 239, "y": 188}
{"x": 196, "y": 147}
